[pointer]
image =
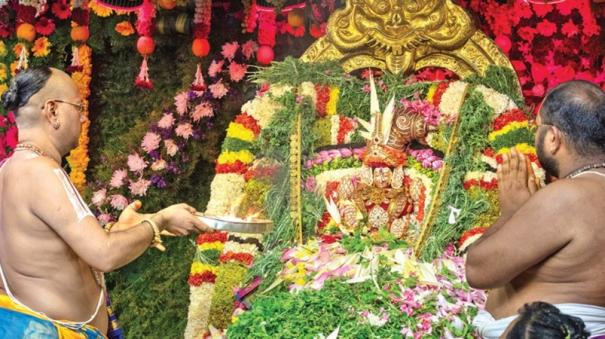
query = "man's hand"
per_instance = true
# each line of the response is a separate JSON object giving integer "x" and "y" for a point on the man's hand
{"x": 180, "y": 219}
{"x": 130, "y": 217}
{"x": 516, "y": 182}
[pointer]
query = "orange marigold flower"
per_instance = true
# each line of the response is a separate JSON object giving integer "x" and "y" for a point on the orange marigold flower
{"x": 125, "y": 28}
{"x": 41, "y": 47}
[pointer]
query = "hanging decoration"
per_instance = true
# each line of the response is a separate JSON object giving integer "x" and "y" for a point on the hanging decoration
{"x": 81, "y": 73}
{"x": 145, "y": 43}
{"x": 292, "y": 19}
{"x": 201, "y": 28}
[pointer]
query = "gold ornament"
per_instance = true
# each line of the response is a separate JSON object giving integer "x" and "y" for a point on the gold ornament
{"x": 405, "y": 36}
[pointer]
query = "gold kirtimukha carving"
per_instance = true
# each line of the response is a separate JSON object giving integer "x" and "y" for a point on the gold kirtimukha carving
{"x": 403, "y": 36}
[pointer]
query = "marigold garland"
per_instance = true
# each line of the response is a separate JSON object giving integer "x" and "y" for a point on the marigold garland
{"x": 78, "y": 158}
{"x": 239, "y": 131}
{"x": 235, "y": 167}
{"x": 331, "y": 106}
{"x": 431, "y": 93}
{"x": 244, "y": 156}
{"x": 248, "y": 122}
{"x": 243, "y": 258}
{"x": 441, "y": 88}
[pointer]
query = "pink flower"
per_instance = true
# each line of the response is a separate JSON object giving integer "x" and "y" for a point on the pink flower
{"x": 104, "y": 218}
{"x": 181, "y": 101}
{"x": 119, "y": 202}
{"x": 249, "y": 48}
{"x": 218, "y": 90}
{"x": 117, "y": 179}
{"x": 215, "y": 68}
{"x": 136, "y": 163}
{"x": 151, "y": 142}
{"x": 167, "y": 121}
{"x": 203, "y": 110}
{"x": 98, "y": 197}
{"x": 229, "y": 50}
{"x": 171, "y": 147}
{"x": 139, "y": 187}
{"x": 184, "y": 130}
{"x": 237, "y": 71}
{"x": 158, "y": 165}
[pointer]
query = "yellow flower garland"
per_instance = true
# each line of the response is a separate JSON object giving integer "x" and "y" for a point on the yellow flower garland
{"x": 78, "y": 158}
{"x": 198, "y": 267}
{"x": 431, "y": 93}
{"x": 227, "y": 157}
{"x": 523, "y": 148}
{"x": 332, "y": 104}
{"x": 239, "y": 131}
{"x": 515, "y": 125}
{"x": 2, "y": 49}
{"x": 3, "y": 88}
{"x": 217, "y": 245}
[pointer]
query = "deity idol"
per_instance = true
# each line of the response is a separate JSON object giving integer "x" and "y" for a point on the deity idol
{"x": 380, "y": 194}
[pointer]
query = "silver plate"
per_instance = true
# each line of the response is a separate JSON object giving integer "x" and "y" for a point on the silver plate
{"x": 230, "y": 225}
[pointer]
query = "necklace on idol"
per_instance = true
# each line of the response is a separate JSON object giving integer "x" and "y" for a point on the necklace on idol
{"x": 584, "y": 169}
{"x": 32, "y": 148}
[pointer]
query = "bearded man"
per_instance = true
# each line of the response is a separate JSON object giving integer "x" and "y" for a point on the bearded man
{"x": 549, "y": 244}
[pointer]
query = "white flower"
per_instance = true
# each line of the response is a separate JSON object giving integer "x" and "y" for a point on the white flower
{"x": 308, "y": 89}
{"x": 224, "y": 189}
{"x": 277, "y": 91}
{"x": 334, "y": 127}
{"x": 451, "y": 100}
{"x": 262, "y": 109}
{"x": 199, "y": 310}
{"x": 499, "y": 102}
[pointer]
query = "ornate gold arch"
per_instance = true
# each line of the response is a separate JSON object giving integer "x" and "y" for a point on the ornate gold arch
{"x": 403, "y": 36}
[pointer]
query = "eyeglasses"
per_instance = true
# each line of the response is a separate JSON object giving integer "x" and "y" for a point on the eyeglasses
{"x": 80, "y": 107}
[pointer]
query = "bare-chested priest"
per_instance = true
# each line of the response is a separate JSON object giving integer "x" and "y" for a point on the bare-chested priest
{"x": 50, "y": 243}
{"x": 549, "y": 244}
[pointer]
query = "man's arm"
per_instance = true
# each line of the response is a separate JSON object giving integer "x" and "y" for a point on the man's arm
{"x": 101, "y": 250}
{"x": 537, "y": 230}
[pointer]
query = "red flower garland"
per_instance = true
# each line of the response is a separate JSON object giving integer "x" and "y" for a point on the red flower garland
{"x": 200, "y": 278}
{"x": 439, "y": 92}
{"x": 244, "y": 258}
{"x": 236, "y": 167}
{"x": 323, "y": 96}
{"x": 248, "y": 122}
{"x": 212, "y": 237}
{"x": 508, "y": 117}
{"x": 345, "y": 126}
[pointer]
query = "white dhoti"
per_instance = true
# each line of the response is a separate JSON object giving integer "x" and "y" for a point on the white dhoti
{"x": 593, "y": 317}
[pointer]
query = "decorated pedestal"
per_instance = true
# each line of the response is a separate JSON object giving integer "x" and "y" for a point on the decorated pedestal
{"x": 367, "y": 203}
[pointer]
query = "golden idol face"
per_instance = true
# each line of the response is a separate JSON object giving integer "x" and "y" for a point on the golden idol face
{"x": 399, "y": 22}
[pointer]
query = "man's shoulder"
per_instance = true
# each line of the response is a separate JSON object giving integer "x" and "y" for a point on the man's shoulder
{"x": 563, "y": 189}
{"x": 35, "y": 170}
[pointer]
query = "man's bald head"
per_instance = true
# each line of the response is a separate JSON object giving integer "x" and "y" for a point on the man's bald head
{"x": 577, "y": 108}
{"x": 32, "y": 87}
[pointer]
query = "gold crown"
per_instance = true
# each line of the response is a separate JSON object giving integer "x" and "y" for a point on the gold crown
{"x": 389, "y": 132}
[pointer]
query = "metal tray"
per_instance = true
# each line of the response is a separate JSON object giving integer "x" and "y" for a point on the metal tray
{"x": 230, "y": 225}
